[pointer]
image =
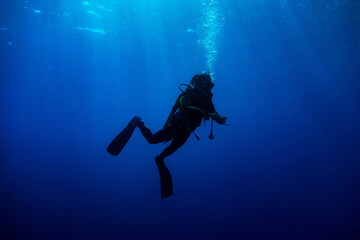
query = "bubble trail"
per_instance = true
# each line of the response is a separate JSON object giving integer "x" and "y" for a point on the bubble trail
{"x": 211, "y": 24}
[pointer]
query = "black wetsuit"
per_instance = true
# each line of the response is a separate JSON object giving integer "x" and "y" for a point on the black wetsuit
{"x": 182, "y": 120}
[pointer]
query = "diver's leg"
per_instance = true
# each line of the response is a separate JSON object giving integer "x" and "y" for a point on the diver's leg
{"x": 165, "y": 176}
{"x": 158, "y": 137}
{"x": 176, "y": 143}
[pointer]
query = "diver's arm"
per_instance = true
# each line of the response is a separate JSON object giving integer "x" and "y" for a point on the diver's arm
{"x": 218, "y": 118}
{"x": 211, "y": 112}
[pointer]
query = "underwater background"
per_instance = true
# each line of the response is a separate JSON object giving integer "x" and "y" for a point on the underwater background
{"x": 287, "y": 77}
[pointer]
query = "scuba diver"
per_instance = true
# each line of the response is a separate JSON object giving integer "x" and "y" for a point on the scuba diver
{"x": 191, "y": 106}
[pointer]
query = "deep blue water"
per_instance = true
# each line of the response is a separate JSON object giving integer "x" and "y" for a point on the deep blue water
{"x": 287, "y": 77}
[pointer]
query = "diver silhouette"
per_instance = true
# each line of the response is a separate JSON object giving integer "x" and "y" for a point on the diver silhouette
{"x": 191, "y": 107}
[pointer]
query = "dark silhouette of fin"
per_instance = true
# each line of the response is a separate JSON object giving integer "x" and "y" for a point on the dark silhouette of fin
{"x": 121, "y": 139}
{"x": 165, "y": 178}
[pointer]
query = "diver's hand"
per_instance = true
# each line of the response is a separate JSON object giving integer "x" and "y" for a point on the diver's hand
{"x": 221, "y": 120}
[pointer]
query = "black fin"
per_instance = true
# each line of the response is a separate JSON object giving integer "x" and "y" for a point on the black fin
{"x": 121, "y": 139}
{"x": 165, "y": 178}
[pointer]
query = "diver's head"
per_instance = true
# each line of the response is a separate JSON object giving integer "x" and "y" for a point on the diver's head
{"x": 202, "y": 82}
